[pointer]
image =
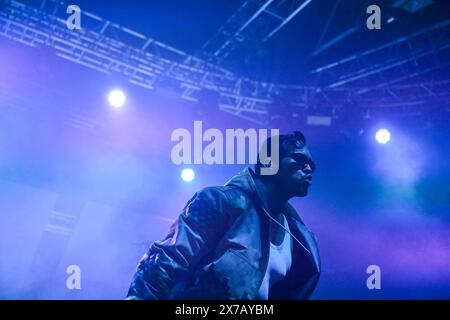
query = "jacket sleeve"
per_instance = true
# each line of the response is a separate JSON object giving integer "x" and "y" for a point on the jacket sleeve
{"x": 195, "y": 232}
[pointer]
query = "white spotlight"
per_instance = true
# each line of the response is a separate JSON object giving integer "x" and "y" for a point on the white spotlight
{"x": 383, "y": 136}
{"x": 116, "y": 98}
{"x": 187, "y": 175}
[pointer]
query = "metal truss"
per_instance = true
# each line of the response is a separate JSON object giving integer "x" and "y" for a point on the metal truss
{"x": 110, "y": 48}
{"x": 438, "y": 48}
{"x": 412, "y": 76}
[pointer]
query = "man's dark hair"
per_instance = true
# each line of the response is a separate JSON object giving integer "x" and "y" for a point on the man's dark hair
{"x": 286, "y": 143}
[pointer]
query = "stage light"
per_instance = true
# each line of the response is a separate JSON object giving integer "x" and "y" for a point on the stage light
{"x": 187, "y": 175}
{"x": 116, "y": 98}
{"x": 383, "y": 136}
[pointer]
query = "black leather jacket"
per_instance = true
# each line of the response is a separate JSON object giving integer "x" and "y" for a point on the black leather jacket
{"x": 218, "y": 249}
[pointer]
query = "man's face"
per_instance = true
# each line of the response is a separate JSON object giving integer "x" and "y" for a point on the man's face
{"x": 295, "y": 173}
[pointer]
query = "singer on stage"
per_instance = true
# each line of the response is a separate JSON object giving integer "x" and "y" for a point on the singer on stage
{"x": 242, "y": 240}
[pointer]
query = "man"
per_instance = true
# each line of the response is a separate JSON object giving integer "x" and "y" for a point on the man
{"x": 240, "y": 241}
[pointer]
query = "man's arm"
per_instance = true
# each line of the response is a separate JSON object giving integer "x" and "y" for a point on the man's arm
{"x": 195, "y": 232}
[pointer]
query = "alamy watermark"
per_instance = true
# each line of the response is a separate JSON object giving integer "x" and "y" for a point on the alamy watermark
{"x": 226, "y": 149}
{"x": 374, "y": 280}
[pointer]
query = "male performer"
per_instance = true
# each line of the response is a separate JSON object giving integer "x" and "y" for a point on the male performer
{"x": 239, "y": 241}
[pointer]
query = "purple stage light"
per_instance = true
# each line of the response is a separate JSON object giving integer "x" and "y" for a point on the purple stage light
{"x": 383, "y": 136}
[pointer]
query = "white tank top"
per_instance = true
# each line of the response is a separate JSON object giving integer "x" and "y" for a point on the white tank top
{"x": 280, "y": 260}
